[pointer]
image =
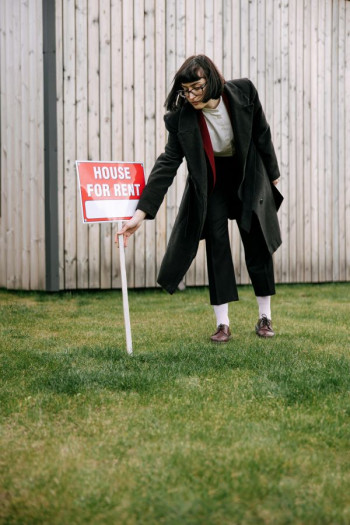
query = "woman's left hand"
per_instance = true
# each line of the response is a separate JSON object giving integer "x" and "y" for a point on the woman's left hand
{"x": 276, "y": 181}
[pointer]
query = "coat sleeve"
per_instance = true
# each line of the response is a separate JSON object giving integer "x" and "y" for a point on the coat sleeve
{"x": 262, "y": 137}
{"x": 162, "y": 174}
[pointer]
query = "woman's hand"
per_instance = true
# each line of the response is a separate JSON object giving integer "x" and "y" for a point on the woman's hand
{"x": 130, "y": 227}
{"x": 276, "y": 181}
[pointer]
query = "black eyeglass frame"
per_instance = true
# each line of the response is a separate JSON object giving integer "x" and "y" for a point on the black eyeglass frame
{"x": 185, "y": 93}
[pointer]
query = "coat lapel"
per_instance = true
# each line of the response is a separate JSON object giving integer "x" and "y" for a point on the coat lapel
{"x": 241, "y": 112}
{"x": 192, "y": 121}
{"x": 189, "y": 135}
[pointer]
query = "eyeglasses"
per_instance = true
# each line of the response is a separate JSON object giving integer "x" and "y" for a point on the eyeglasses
{"x": 196, "y": 91}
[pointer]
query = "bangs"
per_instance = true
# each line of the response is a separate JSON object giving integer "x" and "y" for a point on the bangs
{"x": 191, "y": 73}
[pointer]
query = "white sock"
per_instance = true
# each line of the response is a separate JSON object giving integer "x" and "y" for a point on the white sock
{"x": 264, "y": 303}
{"x": 221, "y": 312}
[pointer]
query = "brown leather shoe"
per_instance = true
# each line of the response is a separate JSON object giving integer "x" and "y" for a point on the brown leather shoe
{"x": 264, "y": 327}
{"x": 222, "y": 334}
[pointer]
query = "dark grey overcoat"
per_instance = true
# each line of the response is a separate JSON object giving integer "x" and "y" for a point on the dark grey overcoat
{"x": 258, "y": 163}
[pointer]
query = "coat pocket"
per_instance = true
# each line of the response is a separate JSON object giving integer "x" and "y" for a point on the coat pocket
{"x": 277, "y": 196}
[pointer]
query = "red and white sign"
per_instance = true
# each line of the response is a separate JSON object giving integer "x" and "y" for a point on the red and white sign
{"x": 110, "y": 191}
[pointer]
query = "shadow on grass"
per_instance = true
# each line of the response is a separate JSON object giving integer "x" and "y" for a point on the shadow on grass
{"x": 294, "y": 376}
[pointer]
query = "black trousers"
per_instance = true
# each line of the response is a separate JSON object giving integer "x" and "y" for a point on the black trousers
{"x": 221, "y": 202}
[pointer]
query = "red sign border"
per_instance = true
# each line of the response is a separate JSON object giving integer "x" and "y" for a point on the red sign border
{"x": 102, "y": 221}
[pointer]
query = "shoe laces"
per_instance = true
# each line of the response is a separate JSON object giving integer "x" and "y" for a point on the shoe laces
{"x": 264, "y": 321}
{"x": 220, "y": 328}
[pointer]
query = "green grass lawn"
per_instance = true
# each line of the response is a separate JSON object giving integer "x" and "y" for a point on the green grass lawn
{"x": 184, "y": 431}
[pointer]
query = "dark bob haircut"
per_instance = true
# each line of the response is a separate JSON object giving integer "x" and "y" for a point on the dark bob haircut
{"x": 194, "y": 68}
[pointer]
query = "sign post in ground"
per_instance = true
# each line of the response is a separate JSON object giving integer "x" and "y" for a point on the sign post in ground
{"x": 110, "y": 192}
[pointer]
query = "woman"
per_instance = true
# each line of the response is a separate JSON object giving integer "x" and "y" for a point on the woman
{"x": 220, "y": 129}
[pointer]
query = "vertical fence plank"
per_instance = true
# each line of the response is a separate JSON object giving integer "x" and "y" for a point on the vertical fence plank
{"x": 33, "y": 124}
{"x": 285, "y": 139}
{"x": 335, "y": 140}
{"x": 233, "y": 73}
{"x": 25, "y": 153}
{"x": 307, "y": 143}
{"x": 244, "y": 49}
{"x": 40, "y": 195}
{"x": 292, "y": 129}
{"x": 199, "y": 270}
{"x": 253, "y": 42}
{"x": 299, "y": 122}
{"x": 70, "y": 183}
{"x": 36, "y": 200}
{"x": 60, "y": 140}
{"x": 94, "y": 129}
{"x": 199, "y": 27}
{"x": 150, "y": 131}
{"x": 81, "y": 135}
{"x": 170, "y": 72}
{"x": 328, "y": 192}
{"x": 236, "y": 41}
{"x": 128, "y": 111}
{"x": 341, "y": 140}
{"x": 129, "y": 108}
{"x": 180, "y": 56}
{"x": 10, "y": 233}
{"x": 244, "y": 40}
{"x": 227, "y": 68}
{"x": 227, "y": 65}
{"x": 320, "y": 143}
{"x": 269, "y": 77}
{"x": 196, "y": 269}
{"x": 189, "y": 47}
{"x": 16, "y": 137}
{"x": 209, "y": 27}
{"x": 261, "y": 50}
{"x": 190, "y": 28}
{"x": 218, "y": 52}
{"x": 347, "y": 142}
{"x": 194, "y": 43}
{"x": 105, "y": 131}
{"x": 3, "y": 148}
{"x": 199, "y": 36}
{"x": 117, "y": 109}
{"x": 139, "y": 127}
{"x": 314, "y": 174}
{"x": 276, "y": 121}
{"x": 160, "y": 82}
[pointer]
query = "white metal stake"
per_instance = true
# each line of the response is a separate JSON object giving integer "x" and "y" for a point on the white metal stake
{"x": 125, "y": 292}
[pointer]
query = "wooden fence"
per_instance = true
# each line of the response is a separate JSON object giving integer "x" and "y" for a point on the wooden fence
{"x": 22, "y": 225}
{"x": 115, "y": 60}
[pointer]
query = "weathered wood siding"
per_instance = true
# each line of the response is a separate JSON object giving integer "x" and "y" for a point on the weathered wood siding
{"x": 22, "y": 225}
{"x": 115, "y": 63}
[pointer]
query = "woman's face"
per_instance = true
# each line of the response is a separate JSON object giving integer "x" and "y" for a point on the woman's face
{"x": 194, "y": 93}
